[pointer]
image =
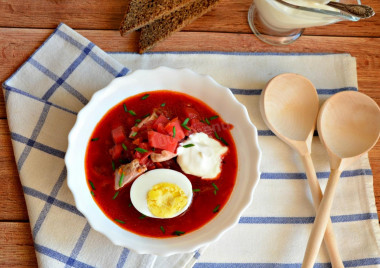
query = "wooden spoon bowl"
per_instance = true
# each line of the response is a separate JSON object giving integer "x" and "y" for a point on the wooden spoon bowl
{"x": 349, "y": 124}
{"x": 291, "y": 106}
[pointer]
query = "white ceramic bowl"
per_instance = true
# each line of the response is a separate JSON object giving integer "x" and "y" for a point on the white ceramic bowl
{"x": 182, "y": 80}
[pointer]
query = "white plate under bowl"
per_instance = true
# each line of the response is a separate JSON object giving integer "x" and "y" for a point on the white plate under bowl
{"x": 202, "y": 87}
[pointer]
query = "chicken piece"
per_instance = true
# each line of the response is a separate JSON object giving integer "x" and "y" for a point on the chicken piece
{"x": 163, "y": 156}
{"x": 152, "y": 117}
{"x": 127, "y": 173}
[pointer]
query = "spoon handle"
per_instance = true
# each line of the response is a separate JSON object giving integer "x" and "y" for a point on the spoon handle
{"x": 321, "y": 220}
{"x": 329, "y": 237}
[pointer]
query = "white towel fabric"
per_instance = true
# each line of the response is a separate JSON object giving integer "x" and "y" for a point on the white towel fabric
{"x": 45, "y": 94}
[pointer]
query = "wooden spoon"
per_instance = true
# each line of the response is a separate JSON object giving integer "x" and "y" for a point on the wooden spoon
{"x": 289, "y": 106}
{"x": 348, "y": 126}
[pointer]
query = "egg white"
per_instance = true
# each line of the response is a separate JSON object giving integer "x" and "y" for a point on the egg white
{"x": 143, "y": 184}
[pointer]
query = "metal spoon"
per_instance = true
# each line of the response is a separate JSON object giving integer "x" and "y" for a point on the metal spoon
{"x": 361, "y": 11}
{"x": 348, "y": 126}
{"x": 289, "y": 106}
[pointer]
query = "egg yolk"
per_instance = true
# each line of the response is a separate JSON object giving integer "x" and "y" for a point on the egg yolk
{"x": 166, "y": 199}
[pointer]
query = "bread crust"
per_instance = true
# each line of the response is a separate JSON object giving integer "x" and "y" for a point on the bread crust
{"x": 143, "y": 12}
{"x": 162, "y": 28}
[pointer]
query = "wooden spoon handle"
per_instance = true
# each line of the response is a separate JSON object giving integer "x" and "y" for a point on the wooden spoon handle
{"x": 321, "y": 220}
{"x": 329, "y": 237}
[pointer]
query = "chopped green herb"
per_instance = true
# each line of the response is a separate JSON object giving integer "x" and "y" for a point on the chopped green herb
{"x": 146, "y": 115}
{"x": 140, "y": 150}
{"x": 94, "y": 139}
{"x": 125, "y": 108}
{"x": 178, "y": 233}
{"x": 196, "y": 190}
{"x": 216, "y": 209}
{"x": 113, "y": 166}
{"x": 138, "y": 120}
{"x": 184, "y": 124}
{"x": 162, "y": 229}
{"x": 145, "y": 97}
{"x": 214, "y": 192}
{"x": 121, "y": 179}
{"x": 216, "y": 135}
{"x": 163, "y": 104}
{"x": 93, "y": 194}
{"x": 130, "y": 204}
{"x": 215, "y": 187}
{"x": 142, "y": 217}
{"x": 124, "y": 146}
{"x": 185, "y": 121}
{"x": 188, "y": 145}
{"x": 173, "y": 132}
{"x": 92, "y": 185}
{"x": 214, "y": 117}
{"x": 133, "y": 134}
{"x": 136, "y": 125}
{"x": 116, "y": 194}
{"x": 224, "y": 141}
{"x": 119, "y": 221}
{"x": 208, "y": 122}
{"x": 132, "y": 112}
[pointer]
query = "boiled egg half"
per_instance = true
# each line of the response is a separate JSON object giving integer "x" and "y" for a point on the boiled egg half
{"x": 161, "y": 193}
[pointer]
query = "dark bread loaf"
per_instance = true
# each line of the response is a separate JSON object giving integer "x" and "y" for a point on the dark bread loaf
{"x": 160, "y": 29}
{"x": 143, "y": 12}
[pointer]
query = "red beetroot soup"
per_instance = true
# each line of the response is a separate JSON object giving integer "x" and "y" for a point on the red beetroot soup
{"x": 114, "y": 142}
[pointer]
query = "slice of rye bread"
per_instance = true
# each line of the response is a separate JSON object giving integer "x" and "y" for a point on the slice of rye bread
{"x": 143, "y": 12}
{"x": 160, "y": 29}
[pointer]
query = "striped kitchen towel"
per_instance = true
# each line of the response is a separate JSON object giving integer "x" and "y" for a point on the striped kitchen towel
{"x": 45, "y": 94}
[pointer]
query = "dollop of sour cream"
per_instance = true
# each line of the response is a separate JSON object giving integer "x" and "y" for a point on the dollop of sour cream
{"x": 201, "y": 156}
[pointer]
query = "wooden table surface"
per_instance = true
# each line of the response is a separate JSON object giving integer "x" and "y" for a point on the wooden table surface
{"x": 24, "y": 25}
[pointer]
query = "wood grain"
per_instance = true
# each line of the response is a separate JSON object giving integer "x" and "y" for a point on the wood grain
{"x": 17, "y": 249}
{"x": 227, "y": 16}
{"x": 12, "y": 205}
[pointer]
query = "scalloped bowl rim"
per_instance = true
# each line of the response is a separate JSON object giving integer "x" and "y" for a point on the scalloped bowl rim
{"x": 186, "y": 81}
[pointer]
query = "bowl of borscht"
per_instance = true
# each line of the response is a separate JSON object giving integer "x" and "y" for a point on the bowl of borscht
{"x": 163, "y": 161}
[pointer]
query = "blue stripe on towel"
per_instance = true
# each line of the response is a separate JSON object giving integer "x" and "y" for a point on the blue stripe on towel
{"x": 335, "y": 90}
{"x": 41, "y": 218}
{"x": 26, "y": 94}
{"x": 350, "y": 263}
{"x": 320, "y": 175}
{"x": 58, "y": 82}
{"x": 123, "y": 258}
{"x": 92, "y": 55}
{"x": 196, "y": 255}
{"x": 321, "y": 91}
{"x": 59, "y": 256}
{"x": 268, "y": 132}
{"x": 78, "y": 246}
{"x": 123, "y": 72}
{"x": 306, "y": 220}
{"x": 37, "y": 145}
{"x": 66, "y": 74}
{"x": 51, "y": 200}
{"x": 36, "y": 131}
